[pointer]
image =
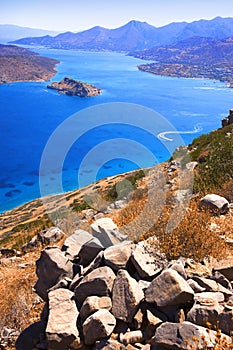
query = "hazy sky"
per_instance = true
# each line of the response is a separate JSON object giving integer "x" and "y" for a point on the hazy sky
{"x": 77, "y": 15}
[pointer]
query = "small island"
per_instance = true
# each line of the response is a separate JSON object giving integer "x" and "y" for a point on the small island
{"x": 20, "y": 64}
{"x": 72, "y": 87}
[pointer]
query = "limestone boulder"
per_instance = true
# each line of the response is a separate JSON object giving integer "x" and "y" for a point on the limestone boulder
{"x": 126, "y": 296}
{"x": 99, "y": 283}
{"x": 106, "y": 231}
{"x": 117, "y": 256}
{"x": 81, "y": 246}
{"x": 225, "y": 267}
{"x": 148, "y": 263}
{"x": 93, "y": 304}
{"x": 212, "y": 286}
{"x": 168, "y": 289}
{"x": 61, "y": 328}
{"x": 51, "y": 267}
{"x": 98, "y": 326}
{"x": 177, "y": 336}
{"x": 212, "y": 313}
{"x": 205, "y": 312}
{"x": 215, "y": 203}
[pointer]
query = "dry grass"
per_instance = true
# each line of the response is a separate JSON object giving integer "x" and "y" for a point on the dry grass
{"x": 19, "y": 305}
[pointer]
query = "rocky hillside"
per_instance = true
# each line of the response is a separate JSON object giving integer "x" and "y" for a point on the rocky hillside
{"x": 19, "y": 64}
{"x": 116, "y": 274}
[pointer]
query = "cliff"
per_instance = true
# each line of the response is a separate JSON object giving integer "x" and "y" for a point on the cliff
{"x": 71, "y": 87}
{"x": 19, "y": 64}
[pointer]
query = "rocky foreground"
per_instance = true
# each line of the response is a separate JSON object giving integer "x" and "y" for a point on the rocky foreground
{"x": 72, "y": 87}
{"x": 19, "y": 64}
{"x": 104, "y": 292}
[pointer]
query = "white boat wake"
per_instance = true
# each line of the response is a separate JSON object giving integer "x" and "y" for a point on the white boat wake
{"x": 163, "y": 135}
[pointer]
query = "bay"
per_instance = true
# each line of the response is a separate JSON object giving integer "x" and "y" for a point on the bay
{"x": 30, "y": 114}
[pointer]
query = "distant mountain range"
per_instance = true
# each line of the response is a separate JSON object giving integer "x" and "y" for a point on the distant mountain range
{"x": 134, "y": 35}
{"x": 12, "y": 32}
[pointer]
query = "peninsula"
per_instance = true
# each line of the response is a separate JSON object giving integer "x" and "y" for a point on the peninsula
{"x": 198, "y": 57}
{"x": 72, "y": 87}
{"x": 20, "y": 64}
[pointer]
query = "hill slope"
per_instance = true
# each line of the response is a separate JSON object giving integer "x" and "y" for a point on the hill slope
{"x": 19, "y": 64}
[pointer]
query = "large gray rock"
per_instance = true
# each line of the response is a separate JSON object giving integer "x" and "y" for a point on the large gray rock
{"x": 215, "y": 203}
{"x": 117, "y": 256}
{"x": 93, "y": 304}
{"x": 30, "y": 336}
{"x": 181, "y": 336}
{"x": 61, "y": 328}
{"x": 97, "y": 326}
{"x": 212, "y": 286}
{"x": 146, "y": 262}
{"x": 107, "y": 232}
{"x": 168, "y": 289}
{"x": 205, "y": 312}
{"x": 209, "y": 311}
{"x": 126, "y": 296}
{"x": 51, "y": 267}
{"x": 82, "y": 246}
{"x": 99, "y": 282}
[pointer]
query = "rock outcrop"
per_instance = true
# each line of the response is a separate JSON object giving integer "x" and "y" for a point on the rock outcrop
{"x": 118, "y": 302}
{"x": 72, "y": 87}
{"x": 215, "y": 203}
{"x": 228, "y": 120}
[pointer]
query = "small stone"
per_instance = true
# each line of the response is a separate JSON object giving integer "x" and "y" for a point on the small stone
{"x": 93, "y": 304}
{"x": 132, "y": 337}
{"x": 53, "y": 234}
{"x": 215, "y": 203}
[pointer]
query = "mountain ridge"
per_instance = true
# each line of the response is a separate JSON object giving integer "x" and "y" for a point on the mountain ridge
{"x": 134, "y": 35}
{"x": 15, "y": 32}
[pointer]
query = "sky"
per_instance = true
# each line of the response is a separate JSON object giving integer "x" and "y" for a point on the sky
{"x": 76, "y": 15}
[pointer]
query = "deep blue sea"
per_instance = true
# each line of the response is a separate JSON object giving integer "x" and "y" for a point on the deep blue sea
{"x": 103, "y": 140}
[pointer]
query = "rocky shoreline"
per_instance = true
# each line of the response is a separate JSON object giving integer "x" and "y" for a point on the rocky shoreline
{"x": 72, "y": 87}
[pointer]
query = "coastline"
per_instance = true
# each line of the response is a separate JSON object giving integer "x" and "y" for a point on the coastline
{"x": 189, "y": 72}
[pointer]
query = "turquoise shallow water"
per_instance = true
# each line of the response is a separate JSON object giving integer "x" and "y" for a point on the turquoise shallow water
{"x": 30, "y": 113}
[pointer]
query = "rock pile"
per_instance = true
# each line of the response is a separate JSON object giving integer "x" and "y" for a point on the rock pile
{"x": 126, "y": 296}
